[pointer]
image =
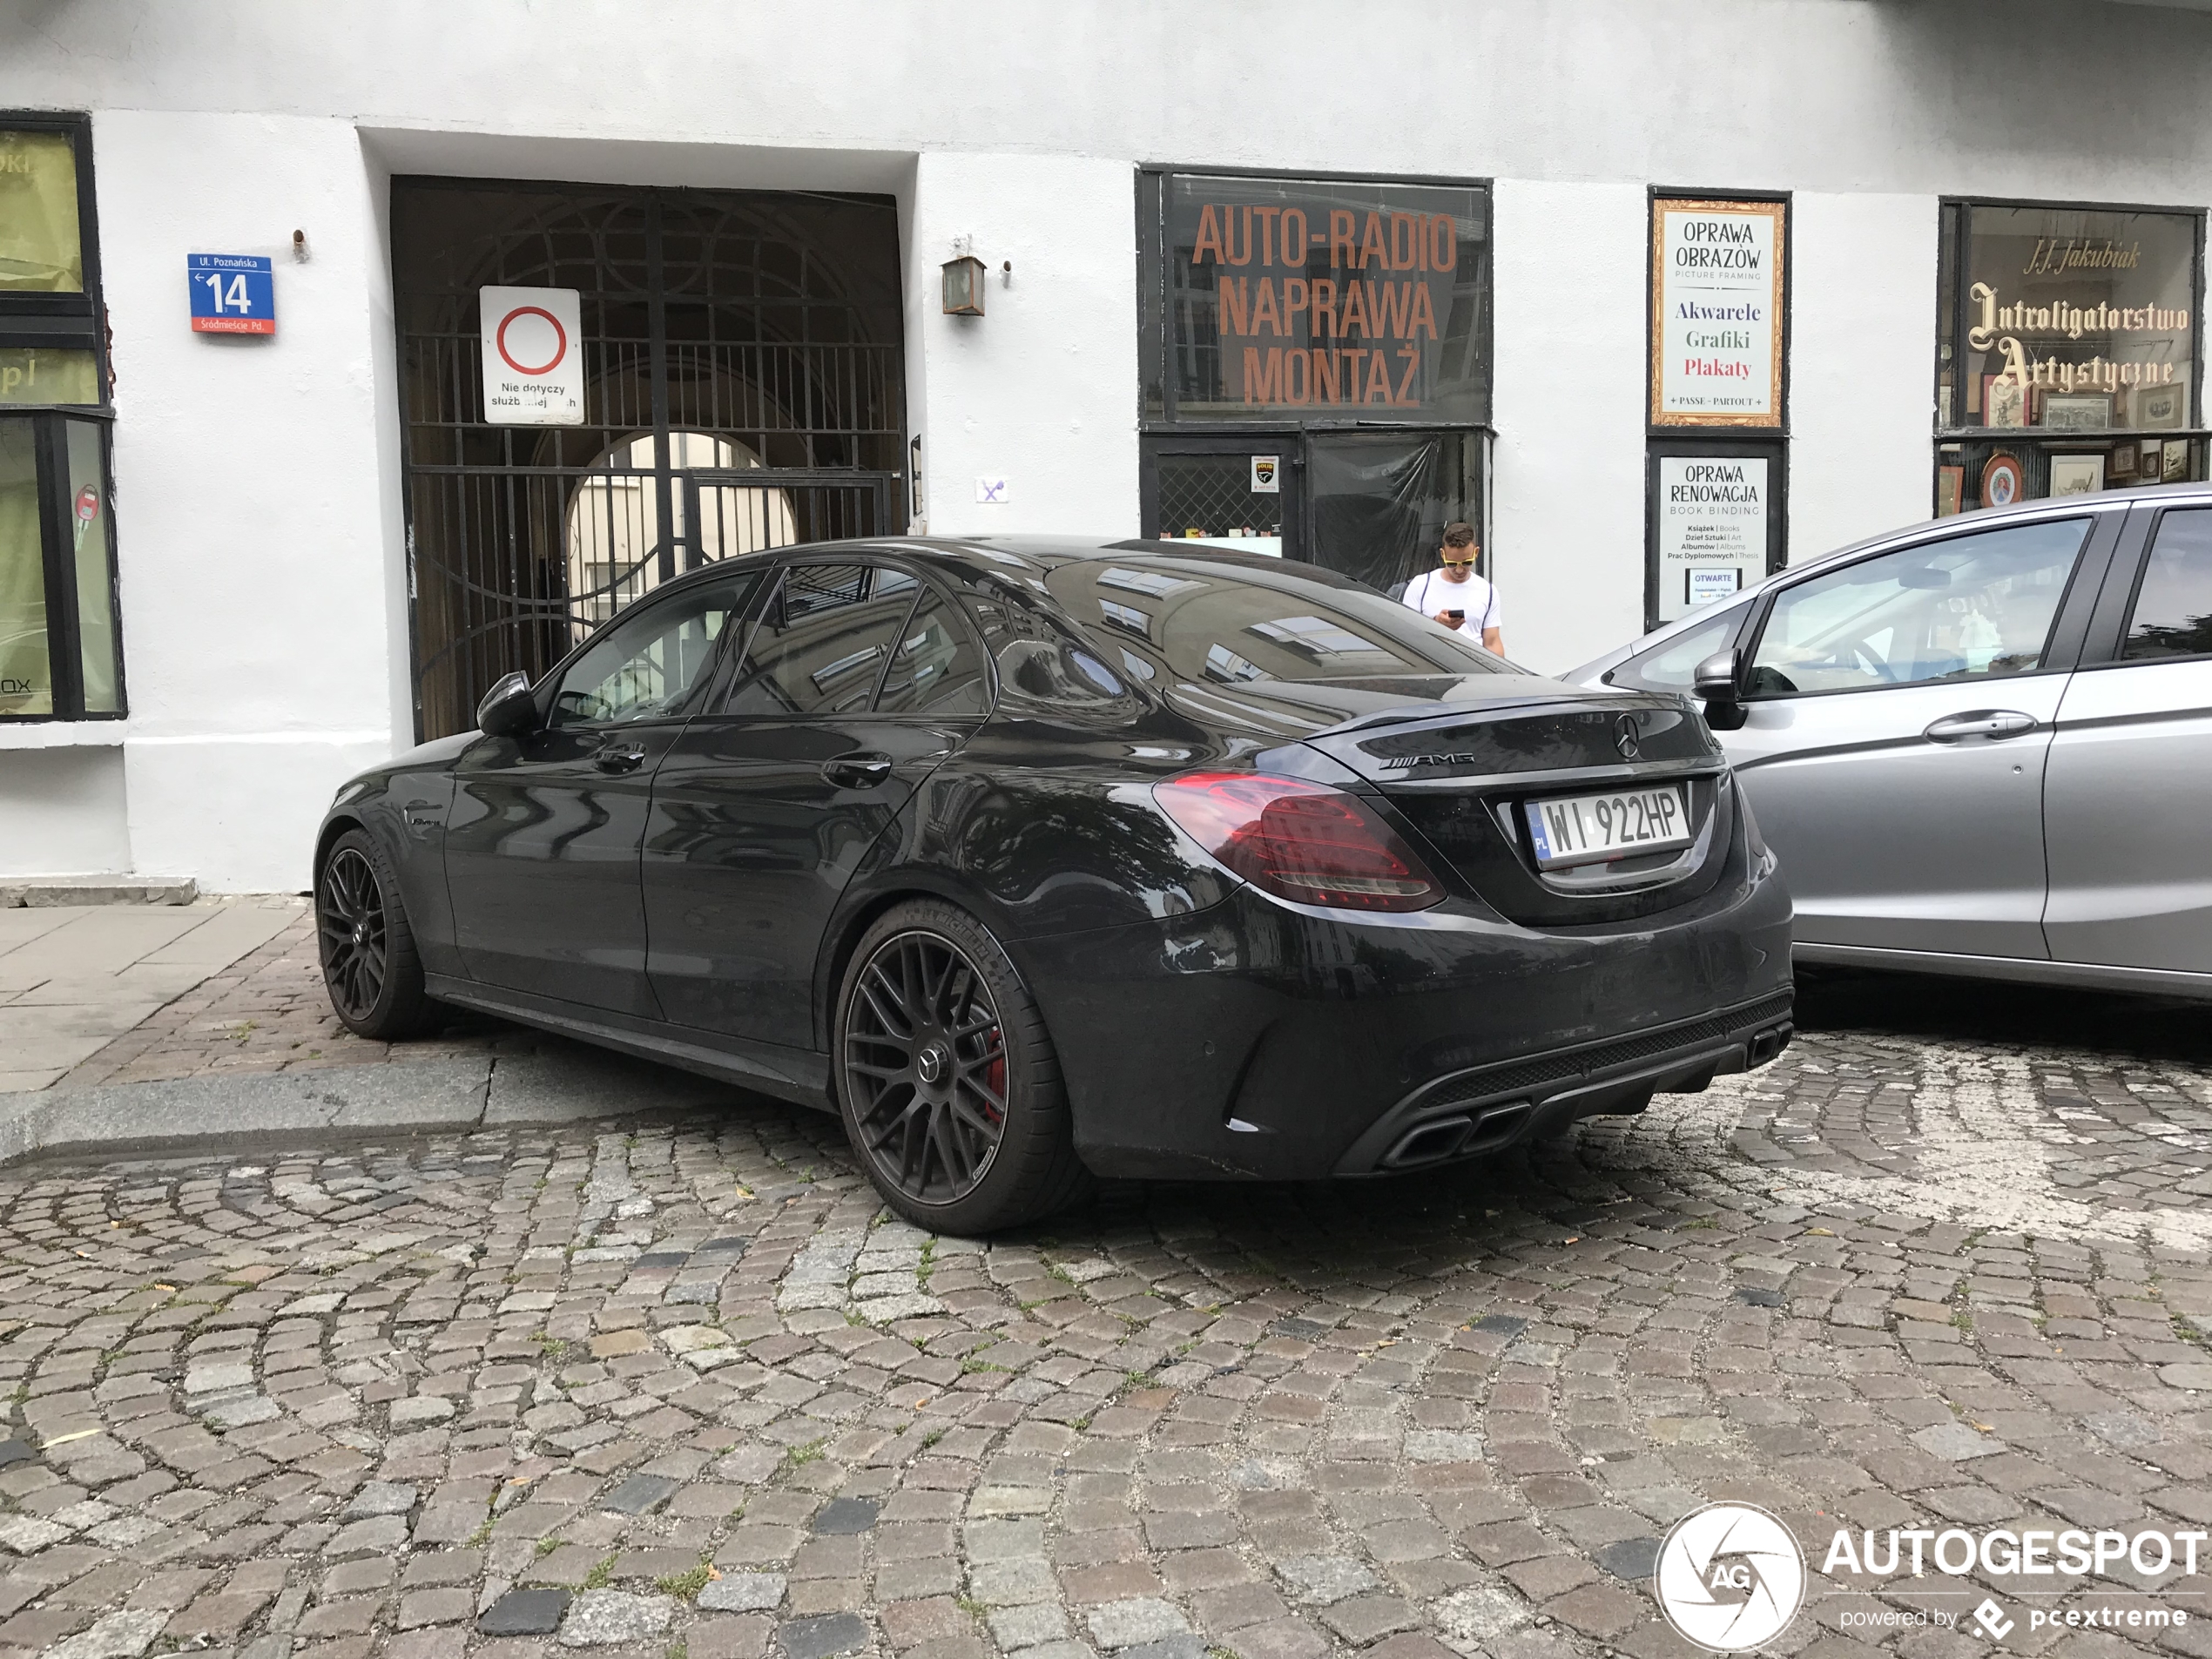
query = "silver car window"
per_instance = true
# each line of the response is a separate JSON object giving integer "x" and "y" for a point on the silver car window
{"x": 1672, "y": 665}
{"x": 1967, "y": 607}
{"x": 2173, "y": 613}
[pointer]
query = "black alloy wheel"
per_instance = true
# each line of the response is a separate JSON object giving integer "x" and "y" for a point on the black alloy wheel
{"x": 925, "y": 1059}
{"x": 947, "y": 1081}
{"x": 370, "y": 962}
{"x": 351, "y": 917}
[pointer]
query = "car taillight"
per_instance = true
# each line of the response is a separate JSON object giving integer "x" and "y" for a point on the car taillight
{"x": 1299, "y": 840}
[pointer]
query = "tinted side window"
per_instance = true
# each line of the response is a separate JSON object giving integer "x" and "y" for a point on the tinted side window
{"x": 1967, "y": 607}
{"x": 822, "y": 640}
{"x": 935, "y": 668}
{"x": 1672, "y": 666}
{"x": 2173, "y": 615}
{"x": 648, "y": 663}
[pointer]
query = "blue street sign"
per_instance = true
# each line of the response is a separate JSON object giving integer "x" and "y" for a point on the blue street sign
{"x": 231, "y": 294}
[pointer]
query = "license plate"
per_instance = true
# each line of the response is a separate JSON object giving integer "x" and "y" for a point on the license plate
{"x": 1587, "y": 829}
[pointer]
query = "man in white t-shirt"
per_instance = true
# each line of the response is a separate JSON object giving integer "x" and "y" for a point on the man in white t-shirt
{"x": 1454, "y": 594}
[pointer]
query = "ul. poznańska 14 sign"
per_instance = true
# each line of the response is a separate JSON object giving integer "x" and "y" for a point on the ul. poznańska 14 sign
{"x": 1295, "y": 298}
{"x": 1716, "y": 312}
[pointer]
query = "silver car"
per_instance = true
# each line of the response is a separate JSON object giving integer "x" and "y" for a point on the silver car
{"x": 1982, "y": 745}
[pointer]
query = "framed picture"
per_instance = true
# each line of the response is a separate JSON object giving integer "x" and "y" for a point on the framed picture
{"x": 2146, "y": 460}
{"x": 2077, "y": 474}
{"x": 2123, "y": 462}
{"x": 2001, "y": 480}
{"x": 2003, "y": 402}
{"x": 2175, "y": 461}
{"x": 2076, "y": 411}
{"x": 2159, "y": 407}
{"x": 1951, "y": 485}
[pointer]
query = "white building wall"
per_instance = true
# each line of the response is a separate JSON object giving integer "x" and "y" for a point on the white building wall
{"x": 1567, "y": 485}
{"x": 258, "y": 494}
{"x": 1040, "y": 390}
{"x": 253, "y": 517}
{"x": 1862, "y": 367}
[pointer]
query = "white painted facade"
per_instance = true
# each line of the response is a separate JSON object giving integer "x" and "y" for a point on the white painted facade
{"x": 258, "y": 503}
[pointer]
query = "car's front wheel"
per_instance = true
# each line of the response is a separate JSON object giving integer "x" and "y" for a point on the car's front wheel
{"x": 946, "y": 1077}
{"x": 369, "y": 961}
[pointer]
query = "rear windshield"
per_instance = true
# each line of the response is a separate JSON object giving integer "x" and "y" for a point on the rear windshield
{"x": 1201, "y": 619}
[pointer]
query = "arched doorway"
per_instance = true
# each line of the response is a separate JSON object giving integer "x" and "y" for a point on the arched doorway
{"x": 744, "y": 389}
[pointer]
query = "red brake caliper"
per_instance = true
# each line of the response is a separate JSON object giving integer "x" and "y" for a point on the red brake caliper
{"x": 996, "y": 1074}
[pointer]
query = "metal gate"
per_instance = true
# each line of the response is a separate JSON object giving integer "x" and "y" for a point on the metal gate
{"x": 743, "y": 391}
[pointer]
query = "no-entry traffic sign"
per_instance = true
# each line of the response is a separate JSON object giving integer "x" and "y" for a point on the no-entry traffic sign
{"x": 533, "y": 356}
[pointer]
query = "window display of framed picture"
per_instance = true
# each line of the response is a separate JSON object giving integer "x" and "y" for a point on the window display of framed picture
{"x": 2147, "y": 461}
{"x": 2003, "y": 402}
{"x": 1951, "y": 484}
{"x": 2123, "y": 462}
{"x": 2159, "y": 407}
{"x": 2175, "y": 461}
{"x": 2076, "y": 411}
{"x": 2077, "y": 474}
{"x": 2001, "y": 480}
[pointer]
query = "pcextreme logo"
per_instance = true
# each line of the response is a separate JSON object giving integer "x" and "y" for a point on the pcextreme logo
{"x": 1730, "y": 1577}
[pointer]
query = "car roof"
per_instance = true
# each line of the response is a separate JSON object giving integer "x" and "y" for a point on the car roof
{"x": 2190, "y": 495}
{"x": 983, "y": 555}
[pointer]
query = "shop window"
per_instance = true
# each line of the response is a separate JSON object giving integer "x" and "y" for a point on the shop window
{"x": 60, "y": 652}
{"x": 1316, "y": 357}
{"x": 2066, "y": 351}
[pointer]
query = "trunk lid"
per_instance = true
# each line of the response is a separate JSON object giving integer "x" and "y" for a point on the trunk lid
{"x": 1462, "y": 776}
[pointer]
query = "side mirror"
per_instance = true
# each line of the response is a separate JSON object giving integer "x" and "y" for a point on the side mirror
{"x": 508, "y": 710}
{"x": 1714, "y": 682}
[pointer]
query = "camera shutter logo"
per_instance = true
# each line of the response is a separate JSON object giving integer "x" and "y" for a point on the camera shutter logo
{"x": 1730, "y": 1577}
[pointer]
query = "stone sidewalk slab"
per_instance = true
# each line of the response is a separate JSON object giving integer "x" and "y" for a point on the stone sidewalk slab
{"x": 74, "y": 979}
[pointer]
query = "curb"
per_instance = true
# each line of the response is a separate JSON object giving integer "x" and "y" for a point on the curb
{"x": 487, "y": 1091}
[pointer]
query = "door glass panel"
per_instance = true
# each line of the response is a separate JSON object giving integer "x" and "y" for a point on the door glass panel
{"x": 1380, "y": 502}
{"x": 1969, "y": 607}
{"x": 89, "y": 528}
{"x": 1673, "y": 666}
{"x": 1235, "y": 500}
{"x": 936, "y": 668}
{"x": 2173, "y": 605}
{"x": 650, "y": 665}
{"x": 823, "y": 642}
{"x": 40, "y": 251}
{"x": 26, "y": 685}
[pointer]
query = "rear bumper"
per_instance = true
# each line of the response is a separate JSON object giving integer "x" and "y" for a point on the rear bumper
{"x": 1488, "y": 1109}
{"x": 1254, "y": 1040}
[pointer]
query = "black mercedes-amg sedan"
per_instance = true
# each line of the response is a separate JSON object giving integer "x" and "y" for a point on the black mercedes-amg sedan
{"x": 1040, "y": 859}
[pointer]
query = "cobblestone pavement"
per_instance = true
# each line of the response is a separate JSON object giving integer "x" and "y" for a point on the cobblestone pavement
{"x": 680, "y": 1387}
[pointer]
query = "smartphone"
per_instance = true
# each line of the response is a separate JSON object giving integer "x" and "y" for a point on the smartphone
{"x": 1457, "y": 616}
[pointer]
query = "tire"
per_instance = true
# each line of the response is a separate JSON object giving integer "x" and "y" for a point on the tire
{"x": 946, "y": 1079}
{"x": 370, "y": 966}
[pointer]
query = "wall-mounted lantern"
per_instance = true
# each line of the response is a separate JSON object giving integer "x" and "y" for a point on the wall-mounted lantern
{"x": 964, "y": 286}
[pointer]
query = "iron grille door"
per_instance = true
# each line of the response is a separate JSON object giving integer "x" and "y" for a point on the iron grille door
{"x": 743, "y": 389}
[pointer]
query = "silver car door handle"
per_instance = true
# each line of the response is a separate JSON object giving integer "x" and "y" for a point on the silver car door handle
{"x": 1993, "y": 724}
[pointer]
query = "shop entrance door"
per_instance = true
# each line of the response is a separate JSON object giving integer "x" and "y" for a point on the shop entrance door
{"x": 1243, "y": 491}
{"x": 1368, "y": 504}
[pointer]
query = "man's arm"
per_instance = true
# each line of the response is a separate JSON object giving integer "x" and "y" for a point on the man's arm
{"x": 1494, "y": 642}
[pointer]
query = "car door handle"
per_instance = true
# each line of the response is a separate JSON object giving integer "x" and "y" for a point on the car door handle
{"x": 619, "y": 759}
{"x": 864, "y": 770}
{"x": 1993, "y": 724}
